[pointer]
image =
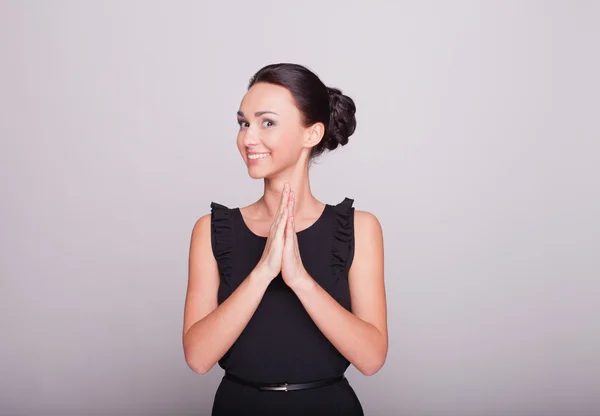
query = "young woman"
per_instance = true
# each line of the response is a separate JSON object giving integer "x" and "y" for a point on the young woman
{"x": 286, "y": 292}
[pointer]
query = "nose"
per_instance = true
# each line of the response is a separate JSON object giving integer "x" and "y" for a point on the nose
{"x": 250, "y": 137}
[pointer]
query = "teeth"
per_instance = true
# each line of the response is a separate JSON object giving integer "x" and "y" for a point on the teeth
{"x": 258, "y": 156}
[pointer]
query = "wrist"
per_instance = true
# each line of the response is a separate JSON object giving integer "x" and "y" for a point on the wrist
{"x": 261, "y": 275}
{"x": 303, "y": 283}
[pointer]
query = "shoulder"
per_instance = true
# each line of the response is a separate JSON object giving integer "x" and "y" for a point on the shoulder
{"x": 366, "y": 223}
{"x": 201, "y": 227}
{"x": 218, "y": 213}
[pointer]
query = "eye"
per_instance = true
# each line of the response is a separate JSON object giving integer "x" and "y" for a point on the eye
{"x": 268, "y": 123}
{"x": 242, "y": 123}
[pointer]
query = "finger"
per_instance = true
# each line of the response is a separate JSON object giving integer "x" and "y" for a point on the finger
{"x": 283, "y": 201}
{"x": 290, "y": 208}
{"x": 294, "y": 235}
{"x": 275, "y": 225}
{"x": 292, "y": 202}
{"x": 284, "y": 194}
{"x": 296, "y": 245}
{"x": 289, "y": 230}
{"x": 279, "y": 233}
{"x": 291, "y": 225}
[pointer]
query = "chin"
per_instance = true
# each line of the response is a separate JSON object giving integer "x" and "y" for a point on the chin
{"x": 255, "y": 175}
{"x": 263, "y": 173}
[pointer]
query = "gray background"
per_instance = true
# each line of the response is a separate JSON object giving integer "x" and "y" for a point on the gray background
{"x": 477, "y": 148}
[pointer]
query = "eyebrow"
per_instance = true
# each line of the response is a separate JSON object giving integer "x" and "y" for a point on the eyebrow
{"x": 258, "y": 113}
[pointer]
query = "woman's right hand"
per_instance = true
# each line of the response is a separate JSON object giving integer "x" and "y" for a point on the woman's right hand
{"x": 269, "y": 264}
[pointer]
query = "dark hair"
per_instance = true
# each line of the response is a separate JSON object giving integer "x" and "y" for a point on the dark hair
{"x": 316, "y": 102}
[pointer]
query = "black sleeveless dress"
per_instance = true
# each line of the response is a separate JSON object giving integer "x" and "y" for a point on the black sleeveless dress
{"x": 281, "y": 343}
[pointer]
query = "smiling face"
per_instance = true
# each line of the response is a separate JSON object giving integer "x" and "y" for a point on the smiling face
{"x": 271, "y": 136}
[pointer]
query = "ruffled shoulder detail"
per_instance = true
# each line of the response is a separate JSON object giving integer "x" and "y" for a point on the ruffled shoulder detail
{"x": 222, "y": 238}
{"x": 343, "y": 237}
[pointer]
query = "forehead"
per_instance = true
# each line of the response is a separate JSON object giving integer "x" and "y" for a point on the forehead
{"x": 262, "y": 97}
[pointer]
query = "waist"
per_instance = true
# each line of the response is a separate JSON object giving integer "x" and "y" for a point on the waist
{"x": 285, "y": 386}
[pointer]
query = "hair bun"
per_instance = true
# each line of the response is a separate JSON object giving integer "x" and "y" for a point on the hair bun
{"x": 342, "y": 121}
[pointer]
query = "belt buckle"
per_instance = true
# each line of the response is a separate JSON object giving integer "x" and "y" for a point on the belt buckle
{"x": 277, "y": 388}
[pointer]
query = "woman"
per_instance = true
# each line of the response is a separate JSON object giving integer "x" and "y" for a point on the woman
{"x": 286, "y": 292}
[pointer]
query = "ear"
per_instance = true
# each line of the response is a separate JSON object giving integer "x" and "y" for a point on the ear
{"x": 314, "y": 134}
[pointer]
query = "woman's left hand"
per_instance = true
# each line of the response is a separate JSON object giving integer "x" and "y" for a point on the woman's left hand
{"x": 292, "y": 269}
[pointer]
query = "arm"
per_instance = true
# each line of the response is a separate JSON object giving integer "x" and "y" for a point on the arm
{"x": 360, "y": 335}
{"x": 209, "y": 329}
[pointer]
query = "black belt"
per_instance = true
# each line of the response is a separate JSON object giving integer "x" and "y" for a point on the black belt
{"x": 285, "y": 386}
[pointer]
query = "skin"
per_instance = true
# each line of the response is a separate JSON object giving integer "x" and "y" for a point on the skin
{"x": 286, "y": 207}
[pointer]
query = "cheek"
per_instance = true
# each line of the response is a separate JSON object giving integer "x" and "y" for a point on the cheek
{"x": 285, "y": 144}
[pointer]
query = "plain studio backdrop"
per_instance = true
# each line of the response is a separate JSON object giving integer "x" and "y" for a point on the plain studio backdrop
{"x": 477, "y": 147}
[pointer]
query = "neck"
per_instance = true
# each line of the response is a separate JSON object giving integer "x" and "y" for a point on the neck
{"x": 298, "y": 178}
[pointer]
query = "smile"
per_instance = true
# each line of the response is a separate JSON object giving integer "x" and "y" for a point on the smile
{"x": 255, "y": 156}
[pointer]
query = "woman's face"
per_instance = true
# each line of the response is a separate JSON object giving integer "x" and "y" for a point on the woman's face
{"x": 271, "y": 135}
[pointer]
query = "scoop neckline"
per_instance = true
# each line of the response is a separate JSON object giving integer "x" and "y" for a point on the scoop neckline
{"x": 249, "y": 231}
